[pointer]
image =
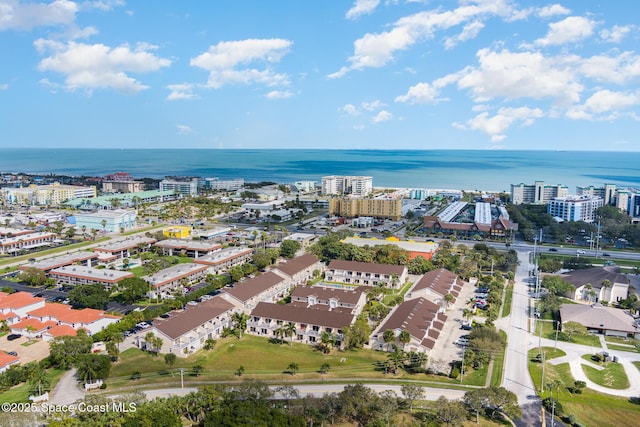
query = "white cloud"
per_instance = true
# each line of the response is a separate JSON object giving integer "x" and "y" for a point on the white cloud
{"x": 181, "y": 91}
{"x": 497, "y": 125}
{"x": 95, "y": 66}
{"x": 604, "y": 105}
{"x": 277, "y": 94}
{"x": 371, "y": 106}
{"x": 421, "y": 93}
{"x": 620, "y": 69}
{"x": 376, "y": 50}
{"x": 222, "y": 62}
{"x": 25, "y": 16}
{"x": 382, "y": 116}
{"x": 569, "y": 30}
{"x": 4, "y": 86}
{"x": 616, "y": 33}
{"x": 103, "y": 5}
{"x": 553, "y": 10}
{"x": 606, "y": 100}
{"x": 362, "y": 7}
{"x": 469, "y": 32}
{"x": 184, "y": 129}
{"x": 511, "y": 75}
{"x": 350, "y": 109}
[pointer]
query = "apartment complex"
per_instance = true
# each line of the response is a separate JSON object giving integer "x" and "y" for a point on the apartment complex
{"x": 218, "y": 184}
{"x": 575, "y": 208}
{"x": 606, "y": 193}
{"x": 185, "y": 187}
{"x": 122, "y": 186}
{"x": 340, "y": 185}
{"x": 378, "y": 208}
{"x": 46, "y": 195}
{"x": 538, "y": 193}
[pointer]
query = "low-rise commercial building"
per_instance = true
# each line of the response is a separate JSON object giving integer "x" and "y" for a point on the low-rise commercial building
{"x": 222, "y": 260}
{"x": 165, "y": 282}
{"x": 191, "y": 248}
{"x": 108, "y": 221}
{"x": 73, "y": 275}
{"x": 26, "y": 242}
{"x": 124, "y": 248}
{"x": 79, "y": 258}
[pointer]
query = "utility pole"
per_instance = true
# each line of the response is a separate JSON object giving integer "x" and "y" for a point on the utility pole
{"x": 543, "y": 364}
{"x": 181, "y": 377}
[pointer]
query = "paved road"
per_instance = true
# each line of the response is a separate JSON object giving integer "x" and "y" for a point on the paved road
{"x": 516, "y": 376}
{"x": 66, "y": 390}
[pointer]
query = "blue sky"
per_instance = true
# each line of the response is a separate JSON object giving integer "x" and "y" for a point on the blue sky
{"x": 358, "y": 74}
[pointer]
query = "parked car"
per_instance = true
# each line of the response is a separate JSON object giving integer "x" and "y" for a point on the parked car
{"x": 12, "y": 337}
{"x": 466, "y": 327}
{"x": 12, "y": 353}
{"x": 482, "y": 290}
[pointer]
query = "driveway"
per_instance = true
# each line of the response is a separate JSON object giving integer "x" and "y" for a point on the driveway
{"x": 445, "y": 349}
{"x": 36, "y": 351}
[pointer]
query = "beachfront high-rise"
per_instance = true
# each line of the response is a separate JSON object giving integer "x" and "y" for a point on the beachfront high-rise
{"x": 575, "y": 208}
{"x": 184, "y": 186}
{"x": 340, "y": 185}
{"x": 351, "y": 207}
{"x": 537, "y": 193}
{"x": 607, "y": 193}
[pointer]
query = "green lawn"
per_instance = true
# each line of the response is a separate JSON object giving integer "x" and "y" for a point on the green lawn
{"x": 591, "y": 408}
{"x": 623, "y": 348}
{"x": 498, "y": 364}
{"x": 548, "y": 331}
{"x": 20, "y": 393}
{"x": 263, "y": 360}
{"x": 612, "y": 376}
{"x": 506, "y": 307}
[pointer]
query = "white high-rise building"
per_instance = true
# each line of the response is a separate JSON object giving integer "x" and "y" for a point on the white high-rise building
{"x": 575, "y": 208}
{"x": 340, "y": 185}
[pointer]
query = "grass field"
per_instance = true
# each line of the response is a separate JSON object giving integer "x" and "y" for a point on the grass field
{"x": 612, "y": 375}
{"x": 591, "y": 408}
{"x": 263, "y": 360}
{"x": 20, "y": 393}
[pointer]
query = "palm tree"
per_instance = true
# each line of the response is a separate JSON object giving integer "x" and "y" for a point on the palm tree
{"x": 39, "y": 380}
{"x": 388, "y": 337}
{"x": 279, "y": 332}
{"x": 404, "y": 338}
{"x": 30, "y": 330}
{"x": 588, "y": 288}
{"x": 606, "y": 284}
{"x": 240, "y": 320}
{"x": 293, "y": 368}
{"x": 327, "y": 340}
{"x": 84, "y": 231}
{"x": 104, "y": 225}
{"x": 209, "y": 344}
{"x": 290, "y": 331}
{"x": 467, "y": 314}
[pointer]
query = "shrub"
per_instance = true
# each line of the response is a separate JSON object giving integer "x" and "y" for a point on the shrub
{"x": 455, "y": 372}
{"x": 548, "y": 402}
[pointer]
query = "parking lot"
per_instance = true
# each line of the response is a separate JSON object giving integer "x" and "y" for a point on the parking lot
{"x": 36, "y": 351}
{"x": 446, "y": 350}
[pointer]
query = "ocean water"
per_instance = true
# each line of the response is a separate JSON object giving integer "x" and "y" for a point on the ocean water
{"x": 443, "y": 169}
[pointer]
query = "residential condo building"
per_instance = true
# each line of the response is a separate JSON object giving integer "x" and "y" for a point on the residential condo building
{"x": 351, "y": 207}
{"x": 340, "y": 185}
{"x": 538, "y": 193}
{"x": 575, "y": 208}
